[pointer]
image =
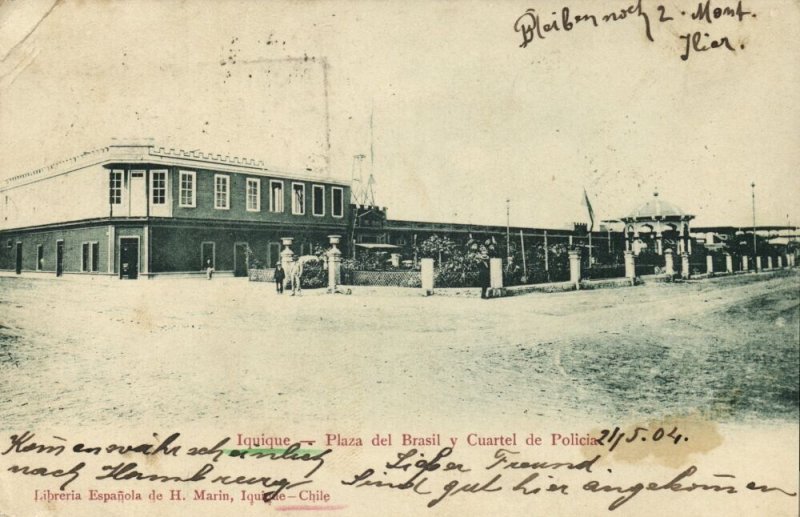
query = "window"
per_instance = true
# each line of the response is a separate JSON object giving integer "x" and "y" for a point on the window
{"x": 85, "y": 258}
{"x": 95, "y": 256}
{"x": 253, "y": 195}
{"x": 39, "y": 257}
{"x": 188, "y": 196}
{"x": 115, "y": 187}
{"x": 158, "y": 187}
{"x": 337, "y": 198}
{"x": 222, "y": 192}
{"x": 276, "y": 196}
{"x": 90, "y": 257}
{"x": 298, "y": 198}
{"x": 318, "y": 200}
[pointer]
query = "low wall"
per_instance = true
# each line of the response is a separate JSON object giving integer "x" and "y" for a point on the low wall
{"x": 382, "y": 278}
{"x": 262, "y": 275}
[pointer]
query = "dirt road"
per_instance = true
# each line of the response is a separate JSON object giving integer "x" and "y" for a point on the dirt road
{"x": 196, "y": 351}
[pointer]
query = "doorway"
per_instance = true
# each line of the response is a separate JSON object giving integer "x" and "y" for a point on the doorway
{"x": 59, "y": 258}
{"x": 240, "y": 259}
{"x": 129, "y": 258}
{"x": 273, "y": 254}
{"x": 19, "y": 258}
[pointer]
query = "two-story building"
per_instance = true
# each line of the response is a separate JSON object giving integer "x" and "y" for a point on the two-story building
{"x": 134, "y": 209}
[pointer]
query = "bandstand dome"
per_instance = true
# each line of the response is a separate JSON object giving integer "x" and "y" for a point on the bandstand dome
{"x": 655, "y": 209}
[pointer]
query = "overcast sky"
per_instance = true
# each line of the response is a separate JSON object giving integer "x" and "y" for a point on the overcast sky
{"x": 463, "y": 118}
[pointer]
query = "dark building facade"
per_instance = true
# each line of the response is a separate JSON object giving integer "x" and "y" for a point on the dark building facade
{"x": 137, "y": 210}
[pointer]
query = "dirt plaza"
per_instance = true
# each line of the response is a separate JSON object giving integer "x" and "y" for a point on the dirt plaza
{"x": 185, "y": 350}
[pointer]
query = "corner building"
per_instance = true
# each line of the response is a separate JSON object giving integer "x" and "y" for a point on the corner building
{"x": 137, "y": 210}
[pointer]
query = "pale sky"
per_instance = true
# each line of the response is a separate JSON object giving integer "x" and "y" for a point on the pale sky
{"x": 463, "y": 117}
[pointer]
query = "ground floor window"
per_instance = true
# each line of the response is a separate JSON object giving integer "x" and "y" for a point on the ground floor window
{"x": 90, "y": 257}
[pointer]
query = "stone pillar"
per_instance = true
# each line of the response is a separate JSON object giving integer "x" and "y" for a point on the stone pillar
{"x": 758, "y": 264}
{"x": 395, "y": 259}
{"x": 334, "y": 263}
{"x": 575, "y": 267}
{"x": 669, "y": 262}
{"x": 630, "y": 265}
{"x": 426, "y": 272}
{"x": 496, "y": 273}
{"x": 659, "y": 243}
{"x": 780, "y": 262}
{"x": 728, "y": 263}
{"x": 769, "y": 262}
{"x": 287, "y": 257}
{"x": 685, "y": 272}
{"x": 709, "y": 264}
{"x": 745, "y": 263}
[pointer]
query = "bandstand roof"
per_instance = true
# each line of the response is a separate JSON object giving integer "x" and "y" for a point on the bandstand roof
{"x": 657, "y": 209}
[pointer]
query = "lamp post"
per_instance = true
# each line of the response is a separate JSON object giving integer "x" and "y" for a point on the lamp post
{"x": 508, "y": 227}
{"x": 753, "y": 186}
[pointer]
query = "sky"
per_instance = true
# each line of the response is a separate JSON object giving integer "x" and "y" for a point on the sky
{"x": 463, "y": 118}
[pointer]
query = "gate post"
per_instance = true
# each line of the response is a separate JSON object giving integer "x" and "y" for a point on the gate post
{"x": 575, "y": 268}
{"x": 685, "y": 272}
{"x": 758, "y": 264}
{"x": 728, "y": 263}
{"x": 709, "y": 265}
{"x": 334, "y": 263}
{"x": 669, "y": 262}
{"x": 745, "y": 263}
{"x": 426, "y": 272}
{"x": 287, "y": 257}
{"x": 630, "y": 265}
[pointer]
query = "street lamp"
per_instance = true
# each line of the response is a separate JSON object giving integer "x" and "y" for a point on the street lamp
{"x": 753, "y": 186}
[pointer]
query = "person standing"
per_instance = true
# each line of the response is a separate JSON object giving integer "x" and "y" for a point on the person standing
{"x": 209, "y": 269}
{"x": 280, "y": 275}
{"x": 484, "y": 276}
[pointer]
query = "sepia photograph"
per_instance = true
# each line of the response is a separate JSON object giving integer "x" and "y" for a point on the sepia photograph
{"x": 399, "y": 258}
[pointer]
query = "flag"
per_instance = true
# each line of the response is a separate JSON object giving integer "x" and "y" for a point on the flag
{"x": 589, "y": 209}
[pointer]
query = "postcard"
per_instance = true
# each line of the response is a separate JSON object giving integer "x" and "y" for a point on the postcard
{"x": 399, "y": 258}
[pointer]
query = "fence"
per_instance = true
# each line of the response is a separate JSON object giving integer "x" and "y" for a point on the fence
{"x": 597, "y": 272}
{"x": 261, "y": 275}
{"x": 381, "y": 278}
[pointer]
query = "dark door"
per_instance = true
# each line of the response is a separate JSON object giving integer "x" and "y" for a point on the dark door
{"x": 59, "y": 258}
{"x": 240, "y": 257}
{"x": 206, "y": 254}
{"x": 129, "y": 258}
{"x": 19, "y": 258}
{"x": 274, "y": 254}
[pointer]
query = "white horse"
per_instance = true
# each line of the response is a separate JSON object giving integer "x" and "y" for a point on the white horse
{"x": 296, "y": 271}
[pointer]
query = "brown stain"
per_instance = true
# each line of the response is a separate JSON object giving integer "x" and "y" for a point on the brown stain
{"x": 142, "y": 316}
{"x": 703, "y": 436}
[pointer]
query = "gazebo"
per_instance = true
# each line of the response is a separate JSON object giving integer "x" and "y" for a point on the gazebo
{"x": 654, "y": 222}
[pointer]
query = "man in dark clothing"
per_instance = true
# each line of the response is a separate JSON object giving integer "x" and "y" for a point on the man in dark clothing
{"x": 279, "y": 276}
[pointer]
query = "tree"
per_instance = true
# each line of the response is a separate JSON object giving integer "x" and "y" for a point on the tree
{"x": 437, "y": 246}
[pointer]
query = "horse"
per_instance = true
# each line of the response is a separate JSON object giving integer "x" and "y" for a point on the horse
{"x": 296, "y": 271}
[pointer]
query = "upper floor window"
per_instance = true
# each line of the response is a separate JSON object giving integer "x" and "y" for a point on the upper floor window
{"x": 253, "y": 194}
{"x": 298, "y": 198}
{"x": 115, "y": 187}
{"x": 188, "y": 193}
{"x": 318, "y": 200}
{"x": 275, "y": 196}
{"x": 158, "y": 187}
{"x": 337, "y": 199}
{"x": 222, "y": 192}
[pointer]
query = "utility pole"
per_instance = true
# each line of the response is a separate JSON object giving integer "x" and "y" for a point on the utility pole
{"x": 753, "y": 186}
{"x": 508, "y": 228}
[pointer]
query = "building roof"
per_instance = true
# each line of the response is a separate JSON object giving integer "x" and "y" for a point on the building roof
{"x": 655, "y": 209}
{"x": 145, "y": 151}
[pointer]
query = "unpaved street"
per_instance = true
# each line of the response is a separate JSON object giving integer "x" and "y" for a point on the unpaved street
{"x": 185, "y": 350}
